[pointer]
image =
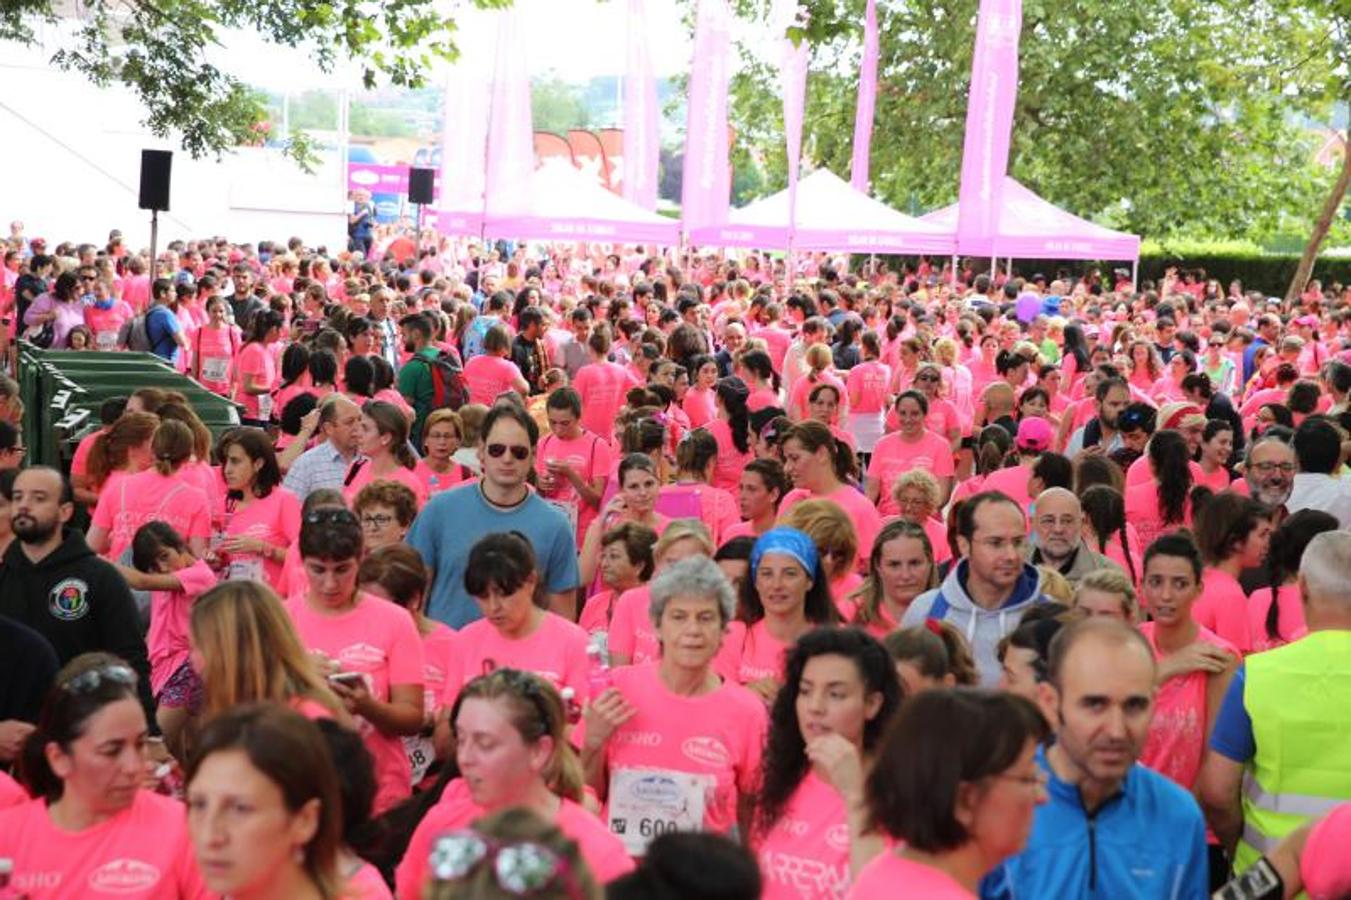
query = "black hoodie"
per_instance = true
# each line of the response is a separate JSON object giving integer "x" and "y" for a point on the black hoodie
{"x": 79, "y": 603}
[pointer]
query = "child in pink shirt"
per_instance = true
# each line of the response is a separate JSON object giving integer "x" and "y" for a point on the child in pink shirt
{"x": 555, "y": 651}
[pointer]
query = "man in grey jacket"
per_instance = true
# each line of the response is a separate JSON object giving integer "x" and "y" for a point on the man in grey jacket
{"x": 989, "y": 588}
{"x": 1058, "y": 537}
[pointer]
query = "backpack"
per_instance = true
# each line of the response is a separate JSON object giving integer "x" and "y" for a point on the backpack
{"x": 133, "y": 335}
{"x": 449, "y": 390}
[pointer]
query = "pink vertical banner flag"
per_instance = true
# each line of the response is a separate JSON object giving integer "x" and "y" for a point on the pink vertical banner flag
{"x": 989, "y": 122}
{"x": 640, "y": 114}
{"x": 707, "y": 180}
{"x": 464, "y": 136}
{"x": 793, "y": 61}
{"x": 511, "y": 136}
{"x": 867, "y": 102}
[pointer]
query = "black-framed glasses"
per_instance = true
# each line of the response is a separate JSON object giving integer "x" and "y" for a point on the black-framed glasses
{"x": 520, "y": 868}
{"x": 517, "y": 451}
{"x": 92, "y": 679}
{"x": 377, "y": 520}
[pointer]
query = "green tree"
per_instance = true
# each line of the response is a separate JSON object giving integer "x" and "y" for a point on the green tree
{"x": 1162, "y": 116}
{"x": 557, "y": 106}
{"x": 157, "y": 48}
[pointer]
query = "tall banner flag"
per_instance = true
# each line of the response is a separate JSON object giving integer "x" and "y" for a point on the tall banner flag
{"x": 989, "y": 119}
{"x": 464, "y": 138}
{"x": 511, "y": 139}
{"x": 793, "y": 61}
{"x": 867, "y": 102}
{"x": 706, "y": 191}
{"x": 640, "y": 114}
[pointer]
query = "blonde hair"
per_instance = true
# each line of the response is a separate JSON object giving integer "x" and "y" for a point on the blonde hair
{"x": 1110, "y": 580}
{"x": 828, "y": 525}
{"x": 917, "y": 478}
{"x": 1055, "y": 585}
{"x": 681, "y": 530}
{"x": 508, "y": 828}
{"x": 252, "y": 653}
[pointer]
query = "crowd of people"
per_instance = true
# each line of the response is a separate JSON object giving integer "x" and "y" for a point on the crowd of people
{"x": 570, "y": 571}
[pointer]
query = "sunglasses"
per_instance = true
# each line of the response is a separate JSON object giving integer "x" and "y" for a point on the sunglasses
{"x": 330, "y": 516}
{"x": 520, "y": 868}
{"x": 92, "y": 679}
{"x": 517, "y": 451}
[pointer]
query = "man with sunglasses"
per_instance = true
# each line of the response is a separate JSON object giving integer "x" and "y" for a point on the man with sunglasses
{"x": 501, "y": 501}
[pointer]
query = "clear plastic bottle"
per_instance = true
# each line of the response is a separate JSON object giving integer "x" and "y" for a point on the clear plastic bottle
{"x": 7, "y": 889}
{"x": 598, "y": 672}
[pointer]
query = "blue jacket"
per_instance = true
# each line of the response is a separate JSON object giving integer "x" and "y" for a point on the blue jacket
{"x": 1146, "y": 843}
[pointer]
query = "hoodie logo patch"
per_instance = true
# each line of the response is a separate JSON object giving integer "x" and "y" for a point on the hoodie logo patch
{"x": 69, "y": 600}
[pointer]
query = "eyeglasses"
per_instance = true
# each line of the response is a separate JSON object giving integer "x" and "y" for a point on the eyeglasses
{"x": 919, "y": 378}
{"x": 1266, "y": 468}
{"x": 520, "y": 868}
{"x": 517, "y": 451}
{"x": 376, "y": 521}
{"x": 1038, "y": 781}
{"x": 92, "y": 679}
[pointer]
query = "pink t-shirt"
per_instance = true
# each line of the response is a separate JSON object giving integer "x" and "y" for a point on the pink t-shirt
{"x": 215, "y": 350}
{"x": 1142, "y": 509}
{"x": 717, "y": 508}
{"x": 379, "y": 640}
{"x": 751, "y": 653}
{"x": 555, "y": 651}
{"x": 595, "y": 617}
{"x": 435, "y": 482}
{"x": 487, "y": 376}
{"x": 366, "y": 884}
{"x": 276, "y": 520}
{"x": 1140, "y": 472}
{"x": 1290, "y": 624}
{"x": 632, "y": 633}
{"x": 701, "y": 406}
{"x": 1223, "y": 608}
{"x": 761, "y": 398}
{"x": 867, "y": 521}
{"x": 883, "y": 878}
{"x": 105, "y": 324}
{"x": 720, "y": 734}
{"x": 79, "y": 463}
{"x": 800, "y": 400}
{"x": 1177, "y": 733}
{"x": 727, "y": 473}
{"x": 893, "y": 456}
{"x": 1011, "y": 480}
{"x": 805, "y": 855}
{"x": 590, "y": 456}
{"x": 603, "y": 852}
{"x": 128, "y": 502}
{"x": 254, "y": 359}
{"x": 406, "y": 477}
{"x": 867, "y": 383}
{"x": 142, "y": 853}
{"x": 11, "y": 792}
{"x": 1325, "y": 866}
{"x": 602, "y": 386}
{"x": 167, "y": 640}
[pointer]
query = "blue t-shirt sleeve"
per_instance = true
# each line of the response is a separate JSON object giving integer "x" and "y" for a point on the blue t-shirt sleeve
{"x": 563, "y": 574}
{"x": 1232, "y": 736}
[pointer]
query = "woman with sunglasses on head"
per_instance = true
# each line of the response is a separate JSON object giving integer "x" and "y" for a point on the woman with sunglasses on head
{"x": 265, "y": 807}
{"x": 942, "y": 418}
{"x": 261, "y": 519}
{"x": 507, "y": 855}
{"x": 87, "y": 830}
{"x": 510, "y": 751}
{"x": 676, "y": 722}
{"x": 372, "y": 649}
{"x": 955, "y": 783}
{"x": 385, "y": 452}
{"x": 811, "y": 814}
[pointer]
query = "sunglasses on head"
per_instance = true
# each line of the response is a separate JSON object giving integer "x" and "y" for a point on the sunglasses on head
{"x": 517, "y": 451}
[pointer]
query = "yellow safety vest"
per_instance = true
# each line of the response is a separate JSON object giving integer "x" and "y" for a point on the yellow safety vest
{"x": 1299, "y": 699}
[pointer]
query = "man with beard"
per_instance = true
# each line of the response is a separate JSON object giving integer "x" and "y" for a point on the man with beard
{"x": 1269, "y": 475}
{"x": 1112, "y": 395}
{"x": 53, "y": 583}
{"x": 1109, "y": 827}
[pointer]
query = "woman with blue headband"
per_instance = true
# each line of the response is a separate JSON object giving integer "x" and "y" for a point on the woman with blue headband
{"x": 785, "y": 594}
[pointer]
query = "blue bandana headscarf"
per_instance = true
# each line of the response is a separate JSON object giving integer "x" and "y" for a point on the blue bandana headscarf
{"x": 789, "y": 542}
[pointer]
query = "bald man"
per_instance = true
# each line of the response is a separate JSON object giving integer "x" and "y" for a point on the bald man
{"x": 1058, "y": 537}
{"x": 325, "y": 465}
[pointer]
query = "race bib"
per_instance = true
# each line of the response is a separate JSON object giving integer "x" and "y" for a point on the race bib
{"x": 421, "y": 755}
{"x": 569, "y": 508}
{"x": 106, "y": 340}
{"x": 215, "y": 368}
{"x": 247, "y": 568}
{"x": 645, "y": 803}
{"x": 264, "y": 406}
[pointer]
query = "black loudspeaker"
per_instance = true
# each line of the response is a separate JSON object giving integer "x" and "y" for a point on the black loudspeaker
{"x": 420, "y": 186}
{"x": 155, "y": 179}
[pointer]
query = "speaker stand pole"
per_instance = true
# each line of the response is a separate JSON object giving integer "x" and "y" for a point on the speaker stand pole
{"x": 418, "y": 241}
{"x": 154, "y": 245}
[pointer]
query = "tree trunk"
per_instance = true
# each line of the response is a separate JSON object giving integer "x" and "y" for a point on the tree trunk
{"x": 1331, "y": 206}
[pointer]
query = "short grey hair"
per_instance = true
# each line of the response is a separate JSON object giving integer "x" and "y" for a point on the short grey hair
{"x": 1324, "y": 565}
{"x": 695, "y": 576}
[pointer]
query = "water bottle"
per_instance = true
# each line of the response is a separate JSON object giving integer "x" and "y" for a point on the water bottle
{"x": 572, "y": 710}
{"x": 598, "y": 678}
{"x": 7, "y": 889}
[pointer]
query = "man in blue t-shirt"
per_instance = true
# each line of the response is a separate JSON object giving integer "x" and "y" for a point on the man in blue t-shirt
{"x": 162, "y": 327}
{"x": 453, "y": 521}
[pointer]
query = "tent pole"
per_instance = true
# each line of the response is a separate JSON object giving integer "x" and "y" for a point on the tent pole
{"x": 953, "y": 276}
{"x": 1135, "y": 274}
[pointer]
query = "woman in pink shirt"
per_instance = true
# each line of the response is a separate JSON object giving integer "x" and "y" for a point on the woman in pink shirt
{"x": 157, "y": 493}
{"x": 823, "y": 405}
{"x": 122, "y": 449}
{"x": 91, "y": 828}
{"x": 822, "y": 468}
{"x": 1145, "y": 365}
{"x": 1276, "y": 613}
{"x": 762, "y": 486}
{"x": 699, "y": 403}
{"x": 106, "y": 316}
{"x": 786, "y": 594}
{"x": 385, "y": 452}
{"x": 940, "y": 743}
{"x": 516, "y": 631}
{"x": 867, "y": 385}
{"x": 256, "y": 368}
{"x": 1168, "y": 389}
{"x": 265, "y": 806}
{"x": 819, "y": 362}
{"x": 1233, "y": 532}
{"x": 756, "y": 369}
{"x": 836, "y": 545}
{"x": 841, "y": 692}
{"x": 632, "y": 638}
{"x": 900, "y": 568}
{"x": 914, "y": 446}
{"x": 215, "y": 350}
{"x": 571, "y": 463}
{"x": 731, "y": 429}
{"x": 262, "y": 519}
{"x": 635, "y": 502}
{"x": 442, "y": 435}
{"x": 625, "y": 563}
{"x": 602, "y": 385}
{"x": 1195, "y": 664}
{"x": 1162, "y": 504}
{"x": 511, "y": 752}
{"x": 491, "y": 373}
{"x": 916, "y": 496}
{"x": 371, "y": 649}
{"x": 677, "y": 720}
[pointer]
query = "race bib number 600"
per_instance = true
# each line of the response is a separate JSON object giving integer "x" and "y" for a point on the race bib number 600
{"x": 646, "y": 803}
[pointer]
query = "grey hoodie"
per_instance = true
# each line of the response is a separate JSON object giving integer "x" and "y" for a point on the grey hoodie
{"x": 982, "y": 628}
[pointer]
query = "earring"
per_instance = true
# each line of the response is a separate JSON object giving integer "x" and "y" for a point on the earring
{"x": 298, "y": 854}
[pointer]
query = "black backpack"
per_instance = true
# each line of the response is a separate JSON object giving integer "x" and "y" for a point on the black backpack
{"x": 449, "y": 390}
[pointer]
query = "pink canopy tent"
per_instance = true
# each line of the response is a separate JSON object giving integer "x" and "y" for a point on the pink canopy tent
{"x": 1031, "y": 228}
{"x": 831, "y": 216}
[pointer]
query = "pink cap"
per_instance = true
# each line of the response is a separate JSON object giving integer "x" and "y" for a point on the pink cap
{"x": 1310, "y": 321}
{"x": 1035, "y": 433}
